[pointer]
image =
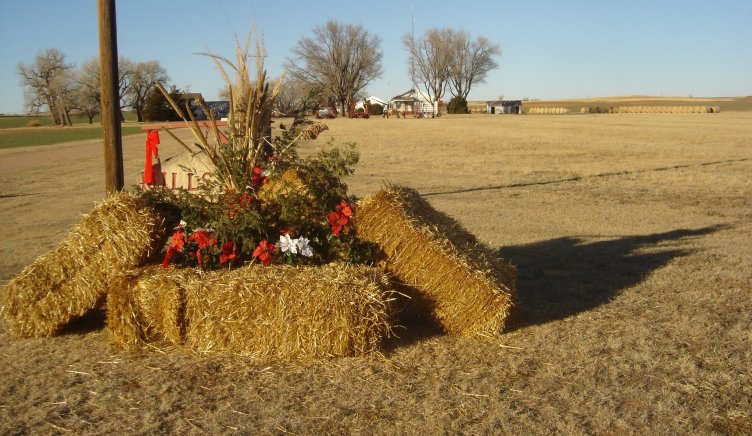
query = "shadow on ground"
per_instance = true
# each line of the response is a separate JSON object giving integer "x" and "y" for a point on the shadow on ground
{"x": 561, "y": 277}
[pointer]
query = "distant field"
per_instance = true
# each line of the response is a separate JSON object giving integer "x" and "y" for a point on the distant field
{"x": 574, "y": 105}
{"x": 11, "y": 138}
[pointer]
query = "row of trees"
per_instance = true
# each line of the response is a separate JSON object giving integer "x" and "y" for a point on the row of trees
{"x": 444, "y": 59}
{"x": 339, "y": 60}
{"x": 336, "y": 63}
{"x": 61, "y": 87}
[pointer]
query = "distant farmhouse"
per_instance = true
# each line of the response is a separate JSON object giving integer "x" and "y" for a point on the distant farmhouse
{"x": 504, "y": 107}
{"x": 413, "y": 102}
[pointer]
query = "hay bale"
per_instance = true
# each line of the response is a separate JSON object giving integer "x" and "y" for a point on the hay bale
{"x": 460, "y": 284}
{"x": 332, "y": 311}
{"x": 280, "y": 311}
{"x": 119, "y": 234}
{"x": 288, "y": 184}
{"x": 148, "y": 306}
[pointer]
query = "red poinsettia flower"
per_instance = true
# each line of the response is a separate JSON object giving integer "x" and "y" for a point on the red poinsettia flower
{"x": 228, "y": 253}
{"x": 258, "y": 177}
{"x": 344, "y": 208}
{"x": 203, "y": 238}
{"x": 335, "y": 222}
{"x": 178, "y": 240}
{"x": 264, "y": 252}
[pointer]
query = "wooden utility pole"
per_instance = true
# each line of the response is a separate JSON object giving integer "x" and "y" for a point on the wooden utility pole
{"x": 108, "y": 70}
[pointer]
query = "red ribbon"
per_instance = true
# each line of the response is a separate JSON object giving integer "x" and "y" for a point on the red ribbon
{"x": 152, "y": 140}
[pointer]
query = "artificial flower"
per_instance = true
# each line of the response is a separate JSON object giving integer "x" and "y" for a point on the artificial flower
{"x": 177, "y": 241}
{"x": 203, "y": 238}
{"x": 344, "y": 208}
{"x": 335, "y": 224}
{"x": 264, "y": 252}
{"x": 228, "y": 253}
{"x": 288, "y": 244}
{"x": 303, "y": 247}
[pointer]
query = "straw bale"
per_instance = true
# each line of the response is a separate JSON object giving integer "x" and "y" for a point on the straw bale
{"x": 279, "y": 311}
{"x": 148, "y": 306}
{"x": 463, "y": 286}
{"x": 289, "y": 184}
{"x": 336, "y": 310}
{"x": 119, "y": 234}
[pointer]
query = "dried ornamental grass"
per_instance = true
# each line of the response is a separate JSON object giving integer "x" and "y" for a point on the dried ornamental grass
{"x": 278, "y": 311}
{"x": 119, "y": 234}
{"x": 462, "y": 285}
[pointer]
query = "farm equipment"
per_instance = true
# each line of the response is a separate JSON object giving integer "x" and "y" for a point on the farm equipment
{"x": 364, "y": 111}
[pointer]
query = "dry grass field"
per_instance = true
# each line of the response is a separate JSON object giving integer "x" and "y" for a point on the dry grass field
{"x": 575, "y": 105}
{"x": 632, "y": 238}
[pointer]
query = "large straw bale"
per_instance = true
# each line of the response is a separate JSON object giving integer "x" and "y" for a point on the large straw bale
{"x": 119, "y": 234}
{"x": 331, "y": 311}
{"x": 462, "y": 285}
{"x": 279, "y": 311}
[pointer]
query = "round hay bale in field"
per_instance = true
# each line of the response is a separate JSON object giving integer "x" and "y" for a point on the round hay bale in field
{"x": 584, "y": 110}
{"x": 337, "y": 310}
{"x": 119, "y": 234}
{"x": 462, "y": 285}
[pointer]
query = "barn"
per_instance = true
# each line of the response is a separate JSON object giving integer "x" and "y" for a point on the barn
{"x": 504, "y": 107}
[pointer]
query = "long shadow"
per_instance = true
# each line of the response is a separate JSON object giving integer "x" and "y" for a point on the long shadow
{"x": 561, "y": 277}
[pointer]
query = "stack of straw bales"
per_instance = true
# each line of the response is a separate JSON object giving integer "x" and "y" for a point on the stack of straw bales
{"x": 548, "y": 110}
{"x": 462, "y": 285}
{"x": 278, "y": 311}
{"x": 656, "y": 109}
{"x": 119, "y": 234}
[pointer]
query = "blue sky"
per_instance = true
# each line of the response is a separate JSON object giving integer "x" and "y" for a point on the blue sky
{"x": 550, "y": 49}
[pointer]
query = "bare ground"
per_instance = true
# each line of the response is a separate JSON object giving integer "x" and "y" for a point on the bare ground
{"x": 631, "y": 234}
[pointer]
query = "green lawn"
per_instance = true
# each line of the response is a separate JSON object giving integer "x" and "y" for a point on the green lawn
{"x": 12, "y": 121}
{"x": 48, "y": 135}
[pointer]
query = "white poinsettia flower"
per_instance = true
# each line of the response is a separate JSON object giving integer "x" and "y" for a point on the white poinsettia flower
{"x": 286, "y": 243}
{"x": 303, "y": 247}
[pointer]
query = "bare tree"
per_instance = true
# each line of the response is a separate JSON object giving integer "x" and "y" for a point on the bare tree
{"x": 88, "y": 92}
{"x": 46, "y": 83}
{"x": 430, "y": 61}
{"x": 470, "y": 62}
{"x": 341, "y": 59}
{"x": 143, "y": 78}
{"x": 294, "y": 96}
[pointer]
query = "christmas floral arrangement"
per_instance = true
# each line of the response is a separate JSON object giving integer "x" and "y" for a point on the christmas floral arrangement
{"x": 264, "y": 204}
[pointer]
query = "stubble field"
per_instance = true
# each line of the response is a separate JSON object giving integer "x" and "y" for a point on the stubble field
{"x": 631, "y": 234}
